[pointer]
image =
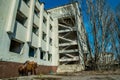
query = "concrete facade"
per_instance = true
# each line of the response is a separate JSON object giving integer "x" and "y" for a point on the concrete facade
{"x": 22, "y": 24}
{"x": 28, "y": 32}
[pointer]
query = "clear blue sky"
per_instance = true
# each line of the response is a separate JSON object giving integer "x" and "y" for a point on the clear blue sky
{"x": 54, "y": 3}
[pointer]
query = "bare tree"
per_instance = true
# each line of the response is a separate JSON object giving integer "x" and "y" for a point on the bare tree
{"x": 105, "y": 31}
{"x": 117, "y": 27}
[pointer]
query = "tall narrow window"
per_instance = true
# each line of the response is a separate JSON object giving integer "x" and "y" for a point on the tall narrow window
{"x": 44, "y": 20}
{"x": 50, "y": 27}
{"x": 32, "y": 51}
{"x": 16, "y": 46}
{"x": 50, "y": 42}
{"x": 44, "y": 36}
{"x": 49, "y": 57}
{"x": 51, "y": 18}
{"x": 42, "y": 56}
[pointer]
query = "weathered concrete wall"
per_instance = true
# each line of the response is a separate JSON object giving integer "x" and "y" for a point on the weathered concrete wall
{"x": 11, "y": 29}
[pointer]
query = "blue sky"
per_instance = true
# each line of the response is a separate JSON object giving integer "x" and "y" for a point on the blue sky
{"x": 54, "y": 3}
{"x": 113, "y": 3}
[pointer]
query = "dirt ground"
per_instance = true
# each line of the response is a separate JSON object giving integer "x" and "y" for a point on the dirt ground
{"x": 83, "y": 75}
{"x": 92, "y": 75}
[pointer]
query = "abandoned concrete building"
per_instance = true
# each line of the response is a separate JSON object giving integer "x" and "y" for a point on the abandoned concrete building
{"x": 53, "y": 38}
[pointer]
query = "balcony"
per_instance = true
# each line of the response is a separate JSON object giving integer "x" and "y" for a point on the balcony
{"x": 44, "y": 45}
{"x": 44, "y": 27}
{"x": 36, "y": 20}
{"x": 19, "y": 31}
{"x": 67, "y": 44}
{"x": 76, "y": 58}
{"x": 66, "y": 30}
{"x": 34, "y": 40}
{"x": 24, "y": 8}
{"x": 38, "y": 5}
{"x": 68, "y": 51}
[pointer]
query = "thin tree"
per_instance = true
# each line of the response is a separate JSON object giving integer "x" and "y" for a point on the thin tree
{"x": 102, "y": 23}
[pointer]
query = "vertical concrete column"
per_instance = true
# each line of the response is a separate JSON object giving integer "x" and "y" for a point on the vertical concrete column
{"x": 12, "y": 16}
{"x": 78, "y": 27}
{"x": 38, "y": 55}
{"x": 40, "y": 24}
{"x": 77, "y": 9}
{"x": 55, "y": 53}
{"x": 46, "y": 55}
{"x": 48, "y": 36}
{"x": 26, "y": 51}
{"x": 30, "y": 20}
{"x": 40, "y": 32}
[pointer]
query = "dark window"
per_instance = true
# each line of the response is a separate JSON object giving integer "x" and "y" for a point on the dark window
{"x": 44, "y": 36}
{"x": 35, "y": 29}
{"x": 44, "y": 20}
{"x": 42, "y": 56}
{"x": 51, "y": 18}
{"x": 32, "y": 51}
{"x": 21, "y": 18}
{"x": 49, "y": 57}
{"x": 50, "y": 42}
{"x": 36, "y": 11}
{"x": 50, "y": 27}
{"x": 26, "y": 1}
{"x": 15, "y": 46}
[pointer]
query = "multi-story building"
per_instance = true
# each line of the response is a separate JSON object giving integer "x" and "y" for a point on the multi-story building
{"x": 72, "y": 38}
{"x": 50, "y": 38}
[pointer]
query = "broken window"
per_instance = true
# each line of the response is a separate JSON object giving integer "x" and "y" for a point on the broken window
{"x": 44, "y": 36}
{"x": 16, "y": 46}
{"x": 32, "y": 51}
{"x": 49, "y": 57}
{"x": 42, "y": 56}
{"x": 21, "y": 18}
{"x": 35, "y": 29}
